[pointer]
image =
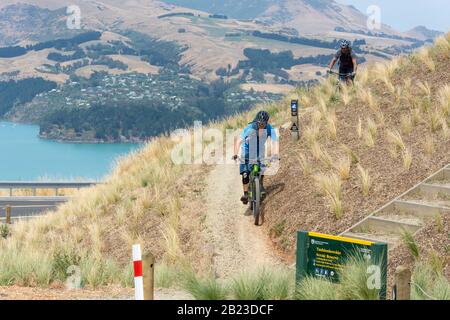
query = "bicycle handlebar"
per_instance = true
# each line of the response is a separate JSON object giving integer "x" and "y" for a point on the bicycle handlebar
{"x": 260, "y": 160}
{"x": 340, "y": 74}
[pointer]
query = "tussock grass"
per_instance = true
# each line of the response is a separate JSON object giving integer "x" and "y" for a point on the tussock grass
{"x": 366, "y": 96}
{"x": 435, "y": 120}
{"x": 407, "y": 159}
{"x": 444, "y": 100}
{"x": 394, "y": 137}
{"x": 359, "y": 128}
{"x": 355, "y": 279}
{"x": 445, "y": 130}
{"x": 206, "y": 288}
{"x": 433, "y": 284}
{"x": 305, "y": 165}
{"x": 343, "y": 167}
{"x": 365, "y": 180}
{"x": 370, "y": 133}
{"x": 263, "y": 284}
{"x": 331, "y": 125}
{"x": 330, "y": 186}
{"x": 316, "y": 150}
{"x": 355, "y": 284}
{"x": 411, "y": 244}
{"x": 311, "y": 134}
{"x": 346, "y": 96}
{"x": 166, "y": 275}
{"x": 350, "y": 153}
{"x": 416, "y": 117}
{"x": 442, "y": 46}
{"x": 424, "y": 88}
{"x": 316, "y": 289}
{"x": 429, "y": 145}
{"x": 406, "y": 124}
{"x": 426, "y": 58}
{"x": 384, "y": 72}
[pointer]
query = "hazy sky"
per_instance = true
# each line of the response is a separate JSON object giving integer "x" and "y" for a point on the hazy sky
{"x": 406, "y": 14}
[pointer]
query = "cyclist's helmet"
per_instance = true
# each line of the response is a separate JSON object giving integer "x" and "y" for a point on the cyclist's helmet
{"x": 345, "y": 44}
{"x": 262, "y": 118}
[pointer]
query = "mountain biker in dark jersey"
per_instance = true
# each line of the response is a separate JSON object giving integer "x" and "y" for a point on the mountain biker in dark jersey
{"x": 252, "y": 144}
{"x": 347, "y": 61}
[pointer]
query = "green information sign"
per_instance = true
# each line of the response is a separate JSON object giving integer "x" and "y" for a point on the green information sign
{"x": 323, "y": 256}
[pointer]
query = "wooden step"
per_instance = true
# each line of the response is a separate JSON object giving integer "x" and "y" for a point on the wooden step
{"x": 377, "y": 225}
{"x": 390, "y": 239}
{"x": 422, "y": 210}
{"x": 430, "y": 190}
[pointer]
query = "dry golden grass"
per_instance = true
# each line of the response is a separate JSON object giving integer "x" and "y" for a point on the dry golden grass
{"x": 366, "y": 96}
{"x": 445, "y": 130}
{"x": 444, "y": 100}
{"x": 331, "y": 125}
{"x": 343, "y": 167}
{"x": 429, "y": 145}
{"x": 384, "y": 71}
{"x": 426, "y": 58}
{"x": 305, "y": 165}
{"x": 406, "y": 124}
{"x": 365, "y": 180}
{"x": 330, "y": 186}
{"x": 359, "y": 128}
{"x": 346, "y": 96}
{"x": 407, "y": 158}
{"x": 370, "y": 133}
{"x": 395, "y": 138}
{"x": 442, "y": 45}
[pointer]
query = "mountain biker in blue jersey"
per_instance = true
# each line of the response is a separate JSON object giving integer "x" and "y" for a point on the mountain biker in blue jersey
{"x": 347, "y": 61}
{"x": 252, "y": 144}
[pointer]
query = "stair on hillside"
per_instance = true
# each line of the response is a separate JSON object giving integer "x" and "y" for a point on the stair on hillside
{"x": 409, "y": 211}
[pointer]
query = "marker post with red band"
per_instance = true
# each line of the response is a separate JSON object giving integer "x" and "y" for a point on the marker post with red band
{"x": 138, "y": 277}
{"x": 144, "y": 274}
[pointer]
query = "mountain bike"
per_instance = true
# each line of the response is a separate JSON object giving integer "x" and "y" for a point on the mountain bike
{"x": 254, "y": 188}
{"x": 349, "y": 78}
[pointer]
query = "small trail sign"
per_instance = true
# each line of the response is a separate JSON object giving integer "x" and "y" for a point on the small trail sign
{"x": 323, "y": 256}
{"x": 295, "y": 132}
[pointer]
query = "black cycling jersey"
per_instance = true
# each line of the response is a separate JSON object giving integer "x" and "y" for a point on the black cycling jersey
{"x": 345, "y": 61}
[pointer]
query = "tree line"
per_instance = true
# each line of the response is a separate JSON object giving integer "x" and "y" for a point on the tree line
{"x": 22, "y": 91}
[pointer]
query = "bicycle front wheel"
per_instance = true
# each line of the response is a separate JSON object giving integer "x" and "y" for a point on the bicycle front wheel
{"x": 256, "y": 200}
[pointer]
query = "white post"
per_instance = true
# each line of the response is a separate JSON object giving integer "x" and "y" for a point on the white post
{"x": 138, "y": 279}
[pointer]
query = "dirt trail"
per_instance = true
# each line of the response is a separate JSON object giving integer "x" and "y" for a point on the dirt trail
{"x": 236, "y": 242}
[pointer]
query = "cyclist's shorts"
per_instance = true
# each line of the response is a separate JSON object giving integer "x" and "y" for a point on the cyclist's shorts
{"x": 247, "y": 167}
{"x": 345, "y": 71}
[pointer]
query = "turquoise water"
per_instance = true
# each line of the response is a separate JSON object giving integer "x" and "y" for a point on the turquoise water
{"x": 23, "y": 156}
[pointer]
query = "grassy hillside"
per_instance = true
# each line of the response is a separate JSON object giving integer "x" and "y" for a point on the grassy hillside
{"x": 361, "y": 148}
{"x": 358, "y": 150}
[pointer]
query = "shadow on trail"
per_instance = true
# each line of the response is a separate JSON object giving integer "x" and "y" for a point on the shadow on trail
{"x": 271, "y": 191}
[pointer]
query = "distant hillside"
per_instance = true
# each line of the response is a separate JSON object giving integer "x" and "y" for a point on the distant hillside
{"x": 23, "y": 21}
{"x": 306, "y": 16}
{"x": 423, "y": 33}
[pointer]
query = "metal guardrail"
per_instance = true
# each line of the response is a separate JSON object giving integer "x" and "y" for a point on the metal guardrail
{"x": 18, "y": 207}
{"x": 11, "y": 185}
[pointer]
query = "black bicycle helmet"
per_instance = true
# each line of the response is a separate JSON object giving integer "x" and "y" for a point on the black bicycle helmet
{"x": 262, "y": 118}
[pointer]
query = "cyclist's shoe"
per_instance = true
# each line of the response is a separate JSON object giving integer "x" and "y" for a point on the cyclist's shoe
{"x": 263, "y": 192}
{"x": 244, "y": 199}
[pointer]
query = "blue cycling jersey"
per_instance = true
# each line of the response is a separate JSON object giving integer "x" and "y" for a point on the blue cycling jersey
{"x": 253, "y": 146}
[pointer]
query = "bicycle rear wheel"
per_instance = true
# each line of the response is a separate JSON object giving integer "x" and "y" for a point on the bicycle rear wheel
{"x": 256, "y": 200}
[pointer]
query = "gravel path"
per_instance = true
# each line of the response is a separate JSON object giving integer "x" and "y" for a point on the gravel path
{"x": 236, "y": 242}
